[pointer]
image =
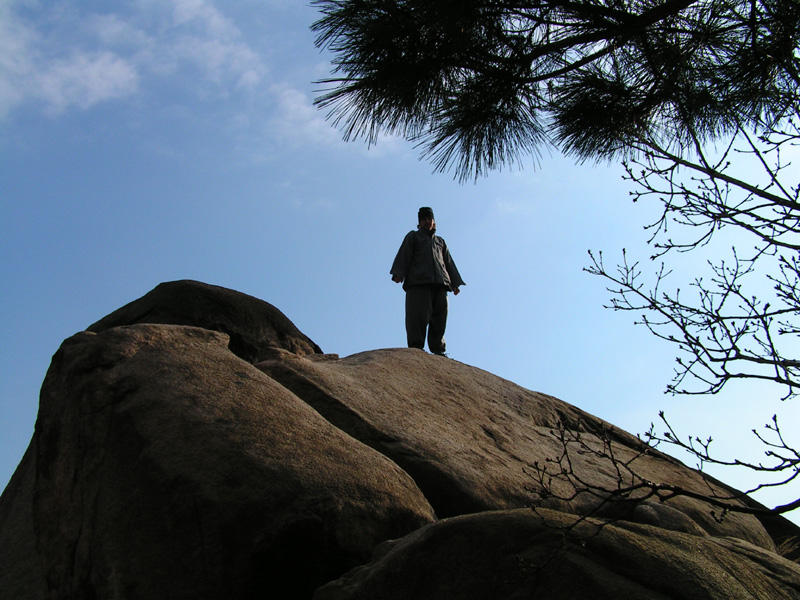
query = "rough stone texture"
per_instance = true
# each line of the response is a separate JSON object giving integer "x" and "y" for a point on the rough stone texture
{"x": 164, "y": 464}
{"x": 21, "y": 570}
{"x": 170, "y": 468}
{"x": 254, "y": 326}
{"x": 521, "y": 554}
{"x": 471, "y": 439}
{"x": 784, "y": 533}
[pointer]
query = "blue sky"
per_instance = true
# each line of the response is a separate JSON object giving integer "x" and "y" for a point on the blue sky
{"x": 152, "y": 140}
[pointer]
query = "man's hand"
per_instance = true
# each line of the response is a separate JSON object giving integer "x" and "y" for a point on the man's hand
{"x": 397, "y": 279}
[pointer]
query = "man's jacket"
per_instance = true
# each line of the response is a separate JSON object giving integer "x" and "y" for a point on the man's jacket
{"x": 423, "y": 259}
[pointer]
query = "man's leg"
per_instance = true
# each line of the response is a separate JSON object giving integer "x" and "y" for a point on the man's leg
{"x": 438, "y": 321}
{"x": 418, "y": 313}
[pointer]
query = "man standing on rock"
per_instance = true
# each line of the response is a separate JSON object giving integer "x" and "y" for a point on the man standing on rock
{"x": 427, "y": 271}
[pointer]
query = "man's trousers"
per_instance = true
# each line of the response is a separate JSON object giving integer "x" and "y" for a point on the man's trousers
{"x": 426, "y": 309}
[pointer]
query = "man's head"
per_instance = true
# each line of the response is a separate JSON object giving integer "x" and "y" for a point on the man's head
{"x": 425, "y": 218}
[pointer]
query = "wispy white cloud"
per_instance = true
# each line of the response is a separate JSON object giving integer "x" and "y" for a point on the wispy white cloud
{"x": 171, "y": 56}
{"x": 15, "y": 60}
{"x": 296, "y": 119}
{"x": 206, "y": 16}
{"x": 62, "y": 58}
{"x": 83, "y": 80}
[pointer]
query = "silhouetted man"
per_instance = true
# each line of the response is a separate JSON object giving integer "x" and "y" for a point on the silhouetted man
{"x": 427, "y": 271}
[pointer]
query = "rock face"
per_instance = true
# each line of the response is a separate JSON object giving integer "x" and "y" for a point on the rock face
{"x": 194, "y": 444}
{"x": 21, "y": 573}
{"x": 505, "y": 555}
{"x": 161, "y": 452}
{"x": 470, "y": 439}
{"x": 254, "y": 326}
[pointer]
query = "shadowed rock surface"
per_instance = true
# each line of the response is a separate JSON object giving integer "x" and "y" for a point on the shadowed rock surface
{"x": 524, "y": 554}
{"x": 471, "y": 439}
{"x": 21, "y": 570}
{"x": 165, "y": 465}
{"x": 254, "y": 326}
{"x": 160, "y": 452}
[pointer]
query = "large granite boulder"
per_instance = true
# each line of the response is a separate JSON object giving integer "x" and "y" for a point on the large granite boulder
{"x": 167, "y": 467}
{"x": 254, "y": 326}
{"x": 21, "y": 569}
{"x": 472, "y": 440}
{"x": 170, "y": 460}
{"x": 518, "y": 554}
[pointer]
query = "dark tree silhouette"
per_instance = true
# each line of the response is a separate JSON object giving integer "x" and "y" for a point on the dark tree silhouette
{"x": 480, "y": 83}
{"x": 731, "y": 325}
{"x": 739, "y": 319}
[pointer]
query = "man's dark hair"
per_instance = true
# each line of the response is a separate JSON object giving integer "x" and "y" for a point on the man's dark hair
{"x": 425, "y": 211}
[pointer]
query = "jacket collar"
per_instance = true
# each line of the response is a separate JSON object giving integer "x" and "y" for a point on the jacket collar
{"x": 430, "y": 232}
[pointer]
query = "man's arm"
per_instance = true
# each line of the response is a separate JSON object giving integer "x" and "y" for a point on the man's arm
{"x": 452, "y": 271}
{"x": 403, "y": 259}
